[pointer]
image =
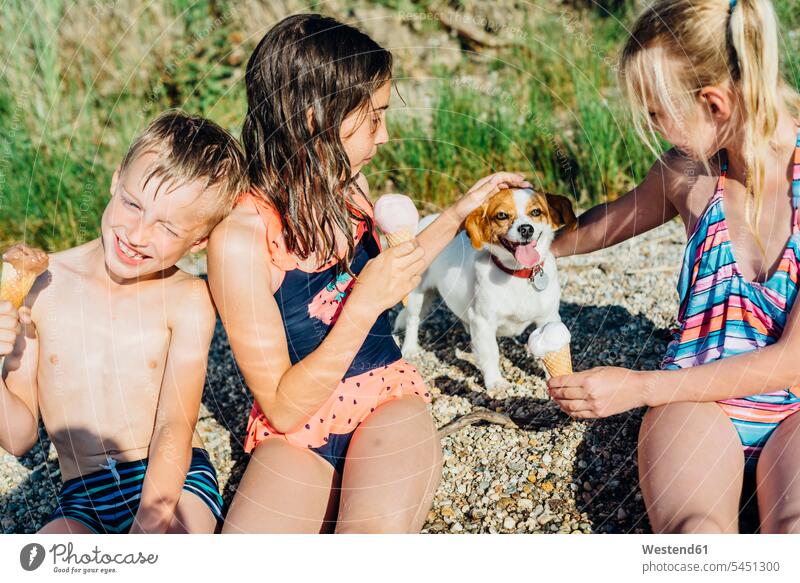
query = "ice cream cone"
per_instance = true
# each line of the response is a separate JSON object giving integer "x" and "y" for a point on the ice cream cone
{"x": 21, "y": 265}
{"x": 395, "y": 239}
{"x": 398, "y": 237}
{"x": 559, "y": 362}
{"x": 398, "y": 218}
{"x": 15, "y": 285}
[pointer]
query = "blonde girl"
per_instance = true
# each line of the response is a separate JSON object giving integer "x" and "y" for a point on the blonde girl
{"x": 704, "y": 75}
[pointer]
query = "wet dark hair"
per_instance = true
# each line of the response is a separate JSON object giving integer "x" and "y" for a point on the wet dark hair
{"x": 309, "y": 61}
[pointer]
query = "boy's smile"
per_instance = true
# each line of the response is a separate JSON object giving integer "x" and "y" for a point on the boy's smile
{"x": 127, "y": 254}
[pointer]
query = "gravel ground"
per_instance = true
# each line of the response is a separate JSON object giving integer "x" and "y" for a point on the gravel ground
{"x": 550, "y": 474}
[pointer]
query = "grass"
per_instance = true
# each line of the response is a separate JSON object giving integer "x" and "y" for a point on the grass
{"x": 78, "y": 80}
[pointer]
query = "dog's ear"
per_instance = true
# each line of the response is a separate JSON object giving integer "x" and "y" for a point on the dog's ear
{"x": 474, "y": 225}
{"x": 561, "y": 212}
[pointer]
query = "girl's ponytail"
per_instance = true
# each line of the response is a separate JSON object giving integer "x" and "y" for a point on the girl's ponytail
{"x": 754, "y": 63}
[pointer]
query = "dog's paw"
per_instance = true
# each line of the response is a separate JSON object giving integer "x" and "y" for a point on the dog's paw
{"x": 498, "y": 389}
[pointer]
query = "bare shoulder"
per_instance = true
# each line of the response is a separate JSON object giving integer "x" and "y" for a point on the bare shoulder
{"x": 683, "y": 172}
{"x": 237, "y": 247}
{"x": 673, "y": 166}
{"x": 687, "y": 183}
{"x": 238, "y": 231}
{"x": 189, "y": 301}
{"x": 70, "y": 262}
{"x": 64, "y": 268}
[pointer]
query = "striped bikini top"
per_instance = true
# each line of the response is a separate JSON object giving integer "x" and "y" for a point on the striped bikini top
{"x": 721, "y": 313}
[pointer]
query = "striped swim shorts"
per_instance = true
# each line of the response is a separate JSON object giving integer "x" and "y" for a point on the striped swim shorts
{"x": 106, "y": 501}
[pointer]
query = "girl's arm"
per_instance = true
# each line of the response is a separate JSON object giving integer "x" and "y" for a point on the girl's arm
{"x": 763, "y": 370}
{"x": 19, "y": 406}
{"x": 643, "y": 208}
{"x": 440, "y": 232}
{"x": 604, "y": 391}
{"x": 191, "y": 325}
{"x": 241, "y": 285}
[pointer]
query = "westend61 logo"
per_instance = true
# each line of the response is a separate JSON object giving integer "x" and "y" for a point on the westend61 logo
{"x": 66, "y": 560}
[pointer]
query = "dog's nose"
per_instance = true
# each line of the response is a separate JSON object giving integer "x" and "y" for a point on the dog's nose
{"x": 526, "y": 231}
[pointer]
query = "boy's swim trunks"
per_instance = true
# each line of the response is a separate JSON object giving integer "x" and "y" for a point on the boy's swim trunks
{"x": 106, "y": 501}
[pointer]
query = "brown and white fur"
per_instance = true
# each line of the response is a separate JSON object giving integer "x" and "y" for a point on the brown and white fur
{"x": 489, "y": 301}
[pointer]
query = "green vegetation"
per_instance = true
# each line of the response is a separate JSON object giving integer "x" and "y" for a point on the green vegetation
{"x": 79, "y": 79}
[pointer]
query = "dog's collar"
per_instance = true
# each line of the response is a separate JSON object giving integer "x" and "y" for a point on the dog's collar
{"x": 525, "y": 273}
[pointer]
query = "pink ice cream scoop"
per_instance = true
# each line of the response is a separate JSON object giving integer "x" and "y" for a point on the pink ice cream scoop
{"x": 397, "y": 217}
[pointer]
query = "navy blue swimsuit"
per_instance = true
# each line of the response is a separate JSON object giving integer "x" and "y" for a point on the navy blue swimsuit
{"x": 310, "y": 303}
{"x": 304, "y": 334}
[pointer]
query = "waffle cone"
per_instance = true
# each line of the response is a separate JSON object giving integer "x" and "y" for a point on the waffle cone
{"x": 21, "y": 265}
{"x": 559, "y": 362}
{"x": 395, "y": 239}
{"x": 398, "y": 237}
{"x": 15, "y": 285}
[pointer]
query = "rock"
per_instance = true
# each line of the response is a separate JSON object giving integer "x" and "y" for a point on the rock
{"x": 477, "y": 513}
{"x": 545, "y": 518}
{"x": 525, "y": 504}
{"x": 505, "y": 503}
{"x": 509, "y": 523}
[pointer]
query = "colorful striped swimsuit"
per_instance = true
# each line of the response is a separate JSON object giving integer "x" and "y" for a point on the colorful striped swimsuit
{"x": 722, "y": 314}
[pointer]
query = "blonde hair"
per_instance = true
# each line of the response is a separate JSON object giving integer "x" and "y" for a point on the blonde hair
{"x": 715, "y": 44}
{"x": 192, "y": 148}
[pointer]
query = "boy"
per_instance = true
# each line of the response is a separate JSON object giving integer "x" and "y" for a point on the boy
{"x": 115, "y": 338}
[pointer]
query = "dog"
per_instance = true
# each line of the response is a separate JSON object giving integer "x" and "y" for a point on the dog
{"x": 498, "y": 275}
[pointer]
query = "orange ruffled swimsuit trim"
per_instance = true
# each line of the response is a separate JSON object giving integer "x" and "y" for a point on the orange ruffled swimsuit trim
{"x": 357, "y": 395}
{"x": 352, "y": 402}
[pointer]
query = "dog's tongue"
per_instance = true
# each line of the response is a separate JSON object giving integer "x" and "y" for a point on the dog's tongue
{"x": 527, "y": 255}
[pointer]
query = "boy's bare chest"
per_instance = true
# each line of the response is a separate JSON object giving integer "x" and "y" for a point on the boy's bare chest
{"x": 91, "y": 342}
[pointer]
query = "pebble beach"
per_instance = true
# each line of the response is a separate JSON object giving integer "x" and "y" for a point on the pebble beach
{"x": 538, "y": 471}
